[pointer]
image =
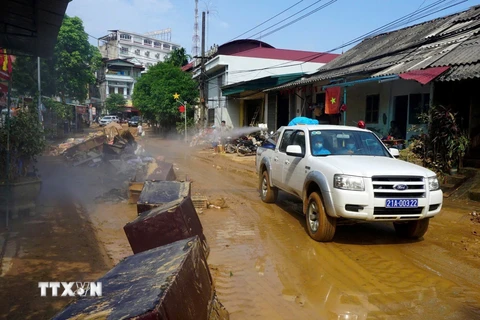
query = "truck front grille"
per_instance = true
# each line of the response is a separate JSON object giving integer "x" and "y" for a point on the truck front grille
{"x": 403, "y": 187}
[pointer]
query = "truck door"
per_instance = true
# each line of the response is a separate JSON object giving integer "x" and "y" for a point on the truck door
{"x": 279, "y": 158}
{"x": 294, "y": 171}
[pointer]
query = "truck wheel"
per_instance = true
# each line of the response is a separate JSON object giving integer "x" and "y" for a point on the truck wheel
{"x": 267, "y": 193}
{"x": 412, "y": 229}
{"x": 321, "y": 227}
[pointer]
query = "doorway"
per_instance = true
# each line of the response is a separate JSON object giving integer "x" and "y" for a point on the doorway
{"x": 400, "y": 105}
{"x": 252, "y": 111}
{"x": 282, "y": 111}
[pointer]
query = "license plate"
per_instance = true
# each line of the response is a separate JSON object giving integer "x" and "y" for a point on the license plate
{"x": 401, "y": 203}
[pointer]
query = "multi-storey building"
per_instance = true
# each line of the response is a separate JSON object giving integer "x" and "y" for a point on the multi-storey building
{"x": 119, "y": 76}
{"x": 149, "y": 48}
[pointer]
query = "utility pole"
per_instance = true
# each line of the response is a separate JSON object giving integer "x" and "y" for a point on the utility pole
{"x": 203, "y": 105}
{"x": 39, "y": 92}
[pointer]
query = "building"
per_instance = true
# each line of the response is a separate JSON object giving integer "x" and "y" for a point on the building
{"x": 119, "y": 76}
{"x": 148, "y": 49}
{"x": 237, "y": 72}
{"x": 398, "y": 75}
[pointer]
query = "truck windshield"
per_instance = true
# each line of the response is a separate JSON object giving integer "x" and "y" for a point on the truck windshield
{"x": 346, "y": 142}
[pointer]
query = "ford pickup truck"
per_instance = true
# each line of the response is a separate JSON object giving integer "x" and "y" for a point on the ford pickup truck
{"x": 342, "y": 172}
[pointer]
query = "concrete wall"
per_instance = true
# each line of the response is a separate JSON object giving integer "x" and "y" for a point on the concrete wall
{"x": 356, "y": 102}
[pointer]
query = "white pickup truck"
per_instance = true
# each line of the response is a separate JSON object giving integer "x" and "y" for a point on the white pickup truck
{"x": 347, "y": 172}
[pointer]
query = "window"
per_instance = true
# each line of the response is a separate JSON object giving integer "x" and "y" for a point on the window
{"x": 211, "y": 116}
{"x": 120, "y": 91}
{"x": 124, "y": 36}
{"x": 419, "y": 104}
{"x": 372, "y": 108}
{"x": 147, "y": 53}
{"x": 157, "y": 55}
{"x": 157, "y": 44}
{"x": 166, "y": 47}
{"x": 137, "y": 51}
{"x": 124, "y": 50}
{"x": 286, "y": 140}
{"x": 147, "y": 42}
{"x": 128, "y": 91}
{"x": 111, "y": 90}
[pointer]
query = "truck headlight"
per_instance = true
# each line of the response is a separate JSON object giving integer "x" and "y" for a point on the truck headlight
{"x": 345, "y": 182}
{"x": 433, "y": 184}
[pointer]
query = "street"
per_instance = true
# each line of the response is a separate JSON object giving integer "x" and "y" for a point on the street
{"x": 264, "y": 264}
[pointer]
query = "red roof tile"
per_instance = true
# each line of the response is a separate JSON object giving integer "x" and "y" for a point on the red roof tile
{"x": 285, "y": 54}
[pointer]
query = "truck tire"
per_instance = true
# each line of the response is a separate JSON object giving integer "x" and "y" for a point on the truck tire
{"x": 412, "y": 229}
{"x": 267, "y": 193}
{"x": 321, "y": 227}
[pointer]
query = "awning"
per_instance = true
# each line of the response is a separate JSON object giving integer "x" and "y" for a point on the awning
{"x": 31, "y": 27}
{"x": 261, "y": 83}
{"x": 423, "y": 76}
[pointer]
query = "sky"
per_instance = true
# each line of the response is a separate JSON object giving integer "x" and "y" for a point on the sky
{"x": 324, "y": 30}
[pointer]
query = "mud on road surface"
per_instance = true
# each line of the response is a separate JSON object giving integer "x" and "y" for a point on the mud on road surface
{"x": 266, "y": 266}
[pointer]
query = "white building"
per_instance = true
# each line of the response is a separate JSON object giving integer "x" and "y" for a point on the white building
{"x": 238, "y": 71}
{"x": 149, "y": 48}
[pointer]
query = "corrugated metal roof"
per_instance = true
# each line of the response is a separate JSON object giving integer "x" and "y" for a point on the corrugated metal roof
{"x": 448, "y": 41}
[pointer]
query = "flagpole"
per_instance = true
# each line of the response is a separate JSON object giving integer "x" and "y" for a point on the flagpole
{"x": 7, "y": 164}
{"x": 185, "y": 104}
{"x": 39, "y": 93}
{"x": 345, "y": 103}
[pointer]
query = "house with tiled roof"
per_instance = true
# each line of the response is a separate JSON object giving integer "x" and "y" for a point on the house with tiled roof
{"x": 237, "y": 72}
{"x": 395, "y": 76}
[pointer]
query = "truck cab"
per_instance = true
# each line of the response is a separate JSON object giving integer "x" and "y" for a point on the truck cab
{"x": 342, "y": 172}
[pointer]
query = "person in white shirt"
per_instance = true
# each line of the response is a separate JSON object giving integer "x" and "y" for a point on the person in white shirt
{"x": 139, "y": 129}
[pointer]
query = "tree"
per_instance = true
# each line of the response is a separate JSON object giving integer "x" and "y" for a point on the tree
{"x": 154, "y": 91}
{"x": 68, "y": 73}
{"x": 115, "y": 102}
{"x": 178, "y": 57}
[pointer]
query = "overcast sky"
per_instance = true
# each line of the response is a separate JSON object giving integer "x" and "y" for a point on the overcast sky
{"x": 321, "y": 31}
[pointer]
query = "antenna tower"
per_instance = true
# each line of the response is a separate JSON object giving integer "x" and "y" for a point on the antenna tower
{"x": 196, "y": 37}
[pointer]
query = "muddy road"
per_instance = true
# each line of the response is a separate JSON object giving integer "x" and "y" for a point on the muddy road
{"x": 265, "y": 265}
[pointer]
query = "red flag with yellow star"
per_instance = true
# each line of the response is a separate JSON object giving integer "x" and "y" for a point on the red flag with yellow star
{"x": 332, "y": 100}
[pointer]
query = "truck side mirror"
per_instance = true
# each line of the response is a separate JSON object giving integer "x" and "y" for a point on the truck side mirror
{"x": 394, "y": 152}
{"x": 294, "y": 151}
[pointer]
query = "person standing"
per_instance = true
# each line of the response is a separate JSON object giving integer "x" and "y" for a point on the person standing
{"x": 139, "y": 129}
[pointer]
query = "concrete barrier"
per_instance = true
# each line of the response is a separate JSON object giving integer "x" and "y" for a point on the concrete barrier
{"x": 168, "y": 282}
{"x": 167, "y": 223}
{"x": 158, "y": 193}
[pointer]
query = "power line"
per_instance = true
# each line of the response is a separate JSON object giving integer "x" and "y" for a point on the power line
{"x": 276, "y": 24}
{"x": 376, "y": 31}
{"x": 300, "y": 18}
{"x": 381, "y": 29}
{"x": 261, "y": 24}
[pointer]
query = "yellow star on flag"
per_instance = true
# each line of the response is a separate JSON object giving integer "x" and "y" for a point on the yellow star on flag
{"x": 333, "y": 100}
{"x": 176, "y": 96}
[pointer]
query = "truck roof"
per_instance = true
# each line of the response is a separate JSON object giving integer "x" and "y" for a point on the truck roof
{"x": 324, "y": 127}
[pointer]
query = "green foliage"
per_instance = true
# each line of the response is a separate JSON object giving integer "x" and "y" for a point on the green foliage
{"x": 154, "y": 91}
{"x": 63, "y": 111}
{"x": 445, "y": 144}
{"x": 178, "y": 57}
{"x": 115, "y": 102}
{"x": 68, "y": 73}
{"x": 26, "y": 142}
{"x": 75, "y": 60}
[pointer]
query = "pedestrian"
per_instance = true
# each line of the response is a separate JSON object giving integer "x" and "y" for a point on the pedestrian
{"x": 139, "y": 130}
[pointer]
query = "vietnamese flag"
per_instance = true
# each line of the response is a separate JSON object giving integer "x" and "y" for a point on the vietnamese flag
{"x": 332, "y": 100}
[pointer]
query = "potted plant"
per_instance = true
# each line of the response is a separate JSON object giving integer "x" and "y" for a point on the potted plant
{"x": 21, "y": 141}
